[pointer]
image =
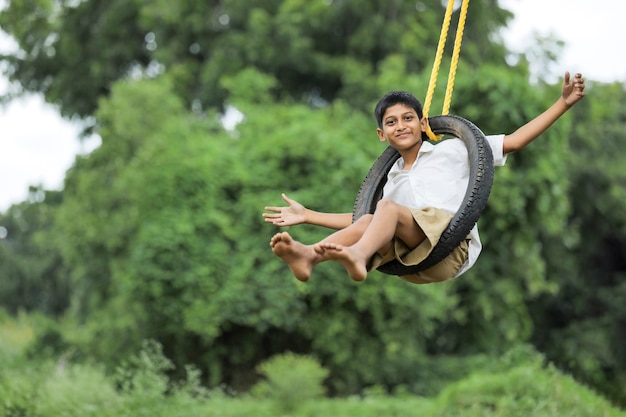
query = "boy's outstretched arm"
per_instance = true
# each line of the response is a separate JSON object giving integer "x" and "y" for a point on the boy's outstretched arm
{"x": 572, "y": 93}
{"x": 296, "y": 213}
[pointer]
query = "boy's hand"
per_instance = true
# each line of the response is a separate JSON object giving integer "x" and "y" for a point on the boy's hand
{"x": 286, "y": 216}
{"x": 573, "y": 90}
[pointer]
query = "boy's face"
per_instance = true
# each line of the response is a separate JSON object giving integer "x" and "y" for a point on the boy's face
{"x": 402, "y": 128}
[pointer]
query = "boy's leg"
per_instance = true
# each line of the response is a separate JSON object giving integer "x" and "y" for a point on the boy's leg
{"x": 390, "y": 220}
{"x": 351, "y": 234}
{"x": 302, "y": 258}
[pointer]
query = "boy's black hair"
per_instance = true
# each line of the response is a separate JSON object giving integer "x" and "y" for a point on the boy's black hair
{"x": 396, "y": 97}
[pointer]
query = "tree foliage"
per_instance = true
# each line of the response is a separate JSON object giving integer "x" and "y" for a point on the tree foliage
{"x": 32, "y": 272}
{"x": 586, "y": 318}
{"x": 316, "y": 50}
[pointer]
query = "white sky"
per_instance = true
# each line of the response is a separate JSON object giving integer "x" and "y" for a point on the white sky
{"x": 37, "y": 146}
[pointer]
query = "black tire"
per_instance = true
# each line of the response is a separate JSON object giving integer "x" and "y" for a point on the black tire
{"x": 474, "y": 202}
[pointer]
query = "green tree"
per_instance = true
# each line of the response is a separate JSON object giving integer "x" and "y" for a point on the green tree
{"x": 581, "y": 328}
{"x": 32, "y": 273}
{"x": 73, "y": 51}
{"x": 95, "y": 222}
{"x": 318, "y": 50}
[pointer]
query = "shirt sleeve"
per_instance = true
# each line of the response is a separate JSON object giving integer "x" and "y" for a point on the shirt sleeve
{"x": 497, "y": 148}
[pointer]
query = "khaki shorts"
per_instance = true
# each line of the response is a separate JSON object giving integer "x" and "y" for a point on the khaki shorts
{"x": 433, "y": 222}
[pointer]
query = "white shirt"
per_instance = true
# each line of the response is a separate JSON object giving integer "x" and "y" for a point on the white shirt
{"x": 439, "y": 178}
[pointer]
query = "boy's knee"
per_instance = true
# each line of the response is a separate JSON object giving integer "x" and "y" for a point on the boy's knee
{"x": 386, "y": 204}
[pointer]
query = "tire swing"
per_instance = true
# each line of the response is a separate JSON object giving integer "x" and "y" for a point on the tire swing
{"x": 480, "y": 163}
{"x": 474, "y": 202}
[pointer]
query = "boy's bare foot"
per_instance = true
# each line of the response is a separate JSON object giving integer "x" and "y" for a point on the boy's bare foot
{"x": 300, "y": 258}
{"x": 350, "y": 258}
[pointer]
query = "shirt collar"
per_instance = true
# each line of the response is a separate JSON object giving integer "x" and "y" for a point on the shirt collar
{"x": 426, "y": 147}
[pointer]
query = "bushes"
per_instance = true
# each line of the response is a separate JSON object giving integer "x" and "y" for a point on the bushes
{"x": 291, "y": 381}
{"x": 139, "y": 388}
{"x": 526, "y": 390}
{"x": 521, "y": 384}
{"x": 517, "y": 385}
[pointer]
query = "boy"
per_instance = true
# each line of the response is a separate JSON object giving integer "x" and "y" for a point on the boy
{"x": 423, "y": 191}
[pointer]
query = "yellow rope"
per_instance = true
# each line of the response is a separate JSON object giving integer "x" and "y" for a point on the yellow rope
{"x": 455, "y": 57}
{"x": 437, "y": 64}
{"x": 453, "y": 65}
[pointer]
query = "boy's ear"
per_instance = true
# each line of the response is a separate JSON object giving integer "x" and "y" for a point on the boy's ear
{"x": 424, "y": 123}
{"x": 424, "y": 127}
{"x": 381, "y": 135}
